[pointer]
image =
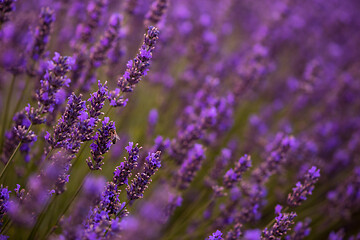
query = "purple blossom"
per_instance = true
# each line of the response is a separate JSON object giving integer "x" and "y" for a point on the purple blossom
{"x": 139, "y": 67}
{"x": 302, "y": 190}
{"x": 235, "y": 233}
{"x": 234, "y": 175}
{"x": 53, "y": 80}
{"x": 190, "y": 167}
{"x": 42, "y": 33}
{"x": 85, "y": 30}
{"x": 4, "y": 202}
{"x": 301, "y": 230}
{"x": 101, "y": 144}
{"x": 157, "y": 10}
{"x": 63, "y": 129}
{"x": 141, "y": 180}
{"x": 123, "y": 171}
{"x": 215, "y": 236}
{"x": 282, "y": 224}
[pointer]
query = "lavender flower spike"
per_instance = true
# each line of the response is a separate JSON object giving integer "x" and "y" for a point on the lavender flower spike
{"x": 190, "y": 166}
{"x": 283, "y": 222}
{"x": 4, "y": 202}
{"x": 136, "y": 68}
{"x": 53, "y": 80}
{"x": 156, "y": 12}
{"x": 6, "y": 6}
{"x": 62, "y": 131}
{"x": 142, "y": 180}
{"x": 101, "y": 144}
{"x": 216, "y": 236}
{"x": 123, "y": 171}
{"x": 302, "y": 190}
{"x": 98, "y": 54}
{"x": 234, "y": 175}
{"x": 42, "y": 33}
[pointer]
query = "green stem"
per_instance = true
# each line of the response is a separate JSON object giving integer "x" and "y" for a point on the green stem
{"x": 22, "y": 94}
{"x": 41, "y": 218}
{"x": 13, "y": 154}
{"x": 67, "y": 207}
{"x": 5, "y": 112}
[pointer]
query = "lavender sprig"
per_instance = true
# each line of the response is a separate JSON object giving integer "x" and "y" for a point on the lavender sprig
{"x": 190, "y": 167}
{"x": 63, "y": 129}
{"x": 53, "y": 80}
{"x": 302, "y": 190}
{"x": 136, "y": 68}
{"x": 215, "y": 236}
{"x": 42, "y": 33}
{"x": 123, "y": 171}
{"x": 283, "y": 222}
{"x": 101, "y": 145}
{"x": 141, "y": 181}
{"x": 157, "y": 10}
{"x": 4, "y": 202}
{"x": 234, "y": 175}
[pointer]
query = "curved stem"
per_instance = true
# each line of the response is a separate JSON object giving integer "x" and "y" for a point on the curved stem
{"x": 13, "y": 154}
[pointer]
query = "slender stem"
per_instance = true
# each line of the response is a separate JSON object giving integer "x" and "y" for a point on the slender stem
{"x": 13, "y": 154}
{"x": 67, "y": 207}
{"x": 5, "y": 112}
{"x": 41, "y": 218}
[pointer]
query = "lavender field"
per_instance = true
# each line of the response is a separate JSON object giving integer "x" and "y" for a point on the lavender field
{"x": 179, "y": 120}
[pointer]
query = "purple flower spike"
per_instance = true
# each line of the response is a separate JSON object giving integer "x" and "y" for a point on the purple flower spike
{"x": 123, "y": 171}
{"x": 63, "y": 129}
{"x": 235, "y": 233}
{"x": 301, "y": 230}
{"x": 154, "y": 16}
{"x": 141, "y": 181}
{"x": 216, "y": 236}
{"x": 101, "y": 145}
{"x": 4, "y": 202}
{"x": 234, "y": 175}
{"x": 190, "y": 167}
{"x": 140, "y": 65}
{"x": 42, "y": 33}
{"x": 53, "y": 80}
{"x": 95, "y": 9}
{"x": 100, "y": 50}
{"x": 283, "y": 222}
{"x": 302, "y": 190}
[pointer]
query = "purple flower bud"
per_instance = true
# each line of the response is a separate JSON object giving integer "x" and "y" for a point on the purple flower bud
{"x": 302, "y": 190}
{"x": 215, "y": 236}
{"x": 101, "y": 145}
{"x": 283, "y": 222}
{"x": 140, "y": 63}
{"x": 234, "y": 175}
{"x": 123, "y": 171}
{"x": 141, "y": 181}
{"x": 42, "y": 33}
{"x": 190, "y": 166}
{"x": 157, "y": 10}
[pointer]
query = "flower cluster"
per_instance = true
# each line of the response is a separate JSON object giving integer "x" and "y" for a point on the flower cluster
{"x": 236, "y": 108}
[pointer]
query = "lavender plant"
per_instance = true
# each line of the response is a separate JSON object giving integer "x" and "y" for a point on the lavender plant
{"x": 204, "y": 86}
